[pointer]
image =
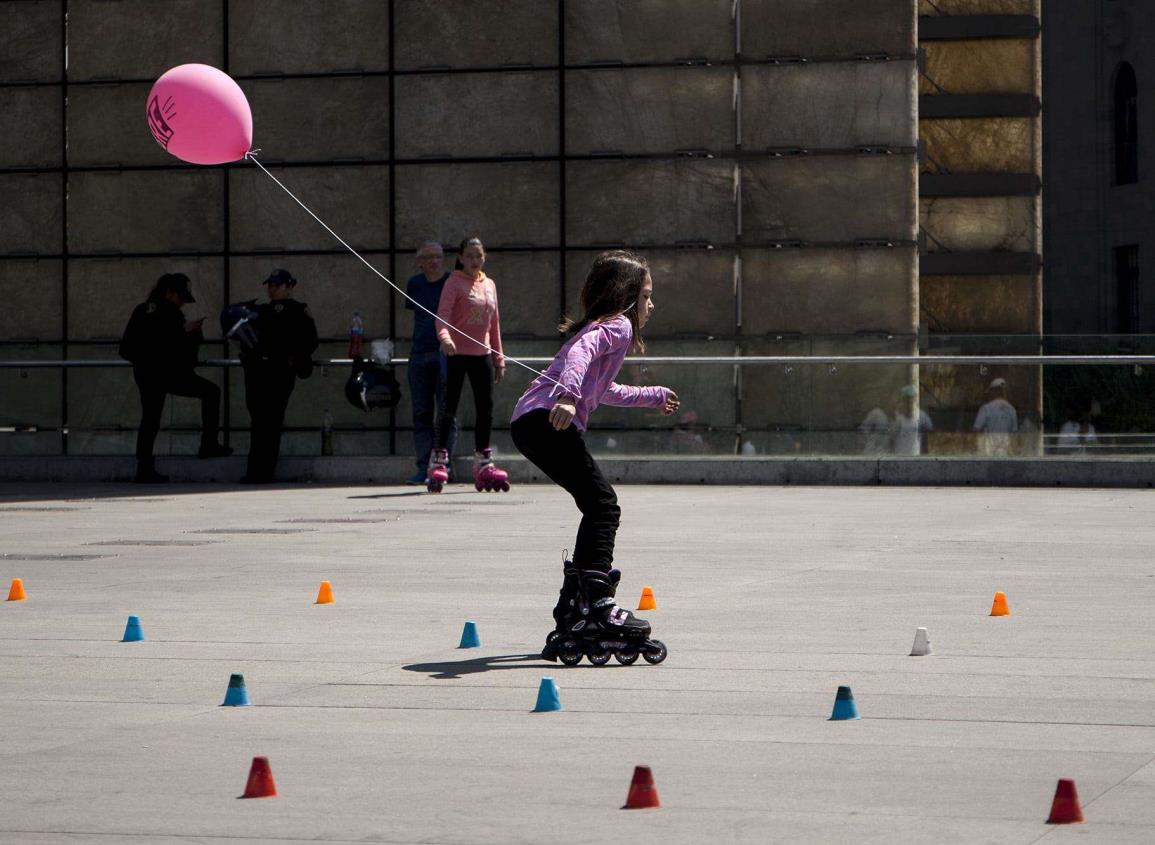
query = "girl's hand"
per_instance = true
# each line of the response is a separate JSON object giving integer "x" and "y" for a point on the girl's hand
{"x": 672, "y": 404}
{"x": 498, "y": 373}
{"x": 448, "y": 346}
{"x": 562, "y": 415}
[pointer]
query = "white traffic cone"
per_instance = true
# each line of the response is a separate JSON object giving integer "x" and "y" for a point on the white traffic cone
{"x": 921, "y": 646}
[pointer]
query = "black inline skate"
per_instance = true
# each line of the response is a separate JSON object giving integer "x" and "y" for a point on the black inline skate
{"x": 599, "y": 629}
{"x": 566, "y": 604}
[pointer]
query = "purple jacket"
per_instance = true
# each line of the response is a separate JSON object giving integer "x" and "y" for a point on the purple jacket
{"x": 586, "y": 366}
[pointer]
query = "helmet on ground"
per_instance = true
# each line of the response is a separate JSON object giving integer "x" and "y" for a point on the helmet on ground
{"x": 371, "y": 387}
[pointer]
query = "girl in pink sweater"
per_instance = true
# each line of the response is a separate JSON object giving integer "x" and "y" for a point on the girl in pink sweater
{"x": 547, "y": 427}
{"x": 469, "y": 304}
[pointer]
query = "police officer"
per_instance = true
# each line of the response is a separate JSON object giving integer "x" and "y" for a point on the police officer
{"x": 163, "y": 350}
{"x": 287, "y": 338}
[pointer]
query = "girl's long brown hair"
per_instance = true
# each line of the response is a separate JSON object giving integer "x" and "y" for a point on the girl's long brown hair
{"x": 612, "y": 287}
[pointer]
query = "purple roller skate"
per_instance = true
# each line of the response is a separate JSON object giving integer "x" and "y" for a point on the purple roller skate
{"x": 486, "y": 475}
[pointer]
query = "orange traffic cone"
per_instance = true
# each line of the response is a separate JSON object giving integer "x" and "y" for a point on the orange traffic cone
{"x": 260, "y": 784}
{"x": 646, "y": 602}
{"x": 325, "y": 594}
{"x": 1000, "y": 607}
{"x": 643, "y": 793}
{"x": 17, "y": 591}
{"x": 1065, "y": 808}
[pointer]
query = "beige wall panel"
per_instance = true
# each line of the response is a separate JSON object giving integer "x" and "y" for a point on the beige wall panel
{"x": 105, "y": 396}
{"x": 145, "y": 211}
{"x": 30, "y": 216}
{"x": 31, "y": 398}
{"x": 504, "y": 204}
{"x": 829, "y": 199}
{"x": 639, "y": 202}
{"x": 648, "y": 30}
{"x": 693, "y": 290}
{"x": 475, "y": 33}
{"x": 353, "y": 201}
{"x": 141, "y": 39}
{"x": 33, "y": 292}
{"x": 825, "y": 291}
{"x": 828, "y": 105}
{"x": 979, "y": 145}
{"x": 334, "y": 286}
{"x": 106, "y": 126}
{"x": 978, "y": 7}
{"x": 103, "y": 291}
{"x": 649, "y": 110}
{"x": 827, "y": 27}
{"x": 290, "y": 36}
{"x": 980, "y": 223}
{"x": 319, "y": 119}
{"x": 979, "y": 304}
{"x": 30, "y": 130}
{"x": 528, "y": 292}
{"x": 484, "y": 114}
{"x": 995, "y": 66}
{"x": 31, "y": 41}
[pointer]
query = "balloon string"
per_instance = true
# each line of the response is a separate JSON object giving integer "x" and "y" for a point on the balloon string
{"x": 251, "y": 155}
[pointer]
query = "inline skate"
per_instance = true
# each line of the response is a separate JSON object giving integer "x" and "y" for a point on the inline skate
{"x": 566, "y": 601}
{"x": 597, "y": 628}
{"x": 486, "y": 475}
{"x": 437, "y": 476}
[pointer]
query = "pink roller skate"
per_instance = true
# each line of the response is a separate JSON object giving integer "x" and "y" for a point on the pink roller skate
{"x": 438, "y": 474}
{"x": 486, "y": 475}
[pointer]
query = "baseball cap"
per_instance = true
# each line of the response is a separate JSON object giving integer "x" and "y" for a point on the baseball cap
{"x": 280, "y": 277}
{"x": 999, "y": 382}
{"x": 179, "y": 283}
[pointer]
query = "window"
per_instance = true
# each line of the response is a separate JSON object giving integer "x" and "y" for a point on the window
{"x": 1127, "y": 289}
{"x": 1126, "y": 126}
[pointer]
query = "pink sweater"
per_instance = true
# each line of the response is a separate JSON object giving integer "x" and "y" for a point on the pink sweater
{"x": 470, "y": 306}
{"x": 587, "y": 366}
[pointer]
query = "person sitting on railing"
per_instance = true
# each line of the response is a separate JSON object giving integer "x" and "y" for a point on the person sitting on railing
{"x": 163, "y": 349}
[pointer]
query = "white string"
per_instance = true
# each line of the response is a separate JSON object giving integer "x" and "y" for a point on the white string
{"x": 251, "y": 155}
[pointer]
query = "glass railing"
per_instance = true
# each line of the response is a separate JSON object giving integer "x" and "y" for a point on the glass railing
{"x": 866, "y": 395}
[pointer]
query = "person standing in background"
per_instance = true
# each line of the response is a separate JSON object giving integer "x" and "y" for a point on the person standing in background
{"x": 996, "y": 421}
{"x": 426, "y": 361}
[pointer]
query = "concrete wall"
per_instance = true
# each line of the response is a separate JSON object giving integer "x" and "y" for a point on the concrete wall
{"x": 772, "y": 195}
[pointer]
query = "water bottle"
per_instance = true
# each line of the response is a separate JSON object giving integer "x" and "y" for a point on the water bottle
{"x": 356, "y": 335}
{"x": 327, "y": 433}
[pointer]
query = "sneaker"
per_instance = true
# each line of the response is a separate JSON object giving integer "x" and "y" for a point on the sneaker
{"x": 214, "y": 450}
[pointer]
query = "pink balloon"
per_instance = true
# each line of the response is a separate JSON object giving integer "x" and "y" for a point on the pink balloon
{"x": 200, "y": 115}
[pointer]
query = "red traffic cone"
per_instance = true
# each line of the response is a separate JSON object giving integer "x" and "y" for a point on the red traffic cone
{"x": 260, "y": 783}
{"x": 643, "y": 794}
{"x": 1065, "y": 808}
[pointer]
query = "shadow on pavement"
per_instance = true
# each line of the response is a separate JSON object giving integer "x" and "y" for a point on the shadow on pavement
{"x": 446, "y": 670}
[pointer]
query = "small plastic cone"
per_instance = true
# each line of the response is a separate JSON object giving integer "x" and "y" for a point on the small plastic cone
{"x": 643, "y": 794}
{"x": 469, "y": 636}
{"x": 16, "y": 593}
{"x": 646, "y": 602}
{"x": 237, "y": 695}
{"x": 133, "y": 631}
{"x": 921, "y": 646}
{"x": 548, "y": 699}
{"x": 1000, "y": 607}
{"x": 844, "y": 707}
{"x": 260, "y": 784}
{"x": 1065, "y": 808}
{"x": 325, "y": 594}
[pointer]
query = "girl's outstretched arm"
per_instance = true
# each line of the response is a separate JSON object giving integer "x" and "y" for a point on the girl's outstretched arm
{"x": 631, "y": 396}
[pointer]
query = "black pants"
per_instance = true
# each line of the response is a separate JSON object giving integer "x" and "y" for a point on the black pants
{"x": 479, "y": 368}
{"x": 153, "y": 389}
{"x": 267, "y": 390}
{"x": 563, "y": 456}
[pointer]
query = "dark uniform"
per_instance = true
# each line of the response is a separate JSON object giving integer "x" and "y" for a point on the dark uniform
{"x": 287, "y": 339}
{"x": 164, "y": 357}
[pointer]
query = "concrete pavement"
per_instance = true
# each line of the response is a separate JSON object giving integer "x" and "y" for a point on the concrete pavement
{"x": 379, "y": 729}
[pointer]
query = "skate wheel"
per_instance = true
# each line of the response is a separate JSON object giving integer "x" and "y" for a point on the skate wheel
{"x": 627, "y": 656}
{"x": 433, "y": 488}
{"x": 570, "y": 656}
{"x": 598, "y": 657}
{"x": 504, "y": 488}
{"x": 656, "y": 652}
{"x": 551, "y": 636}
{"x": 477, "y": 487}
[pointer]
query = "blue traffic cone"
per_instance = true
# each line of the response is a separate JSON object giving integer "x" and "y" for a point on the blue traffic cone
{"x": 844, "y": 706}
{"x": 133, "y": 633}
{"x": 469, "y": 637}
{"x": 236, "y": 695}
{"x": 547, "y": 698}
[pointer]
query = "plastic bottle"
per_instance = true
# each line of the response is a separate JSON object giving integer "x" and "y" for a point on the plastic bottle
{"x": 327, "y": 433}
{"x": 356, "y": 335}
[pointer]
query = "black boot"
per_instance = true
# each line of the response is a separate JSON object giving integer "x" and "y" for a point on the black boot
{"x": 600, "y": 614}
